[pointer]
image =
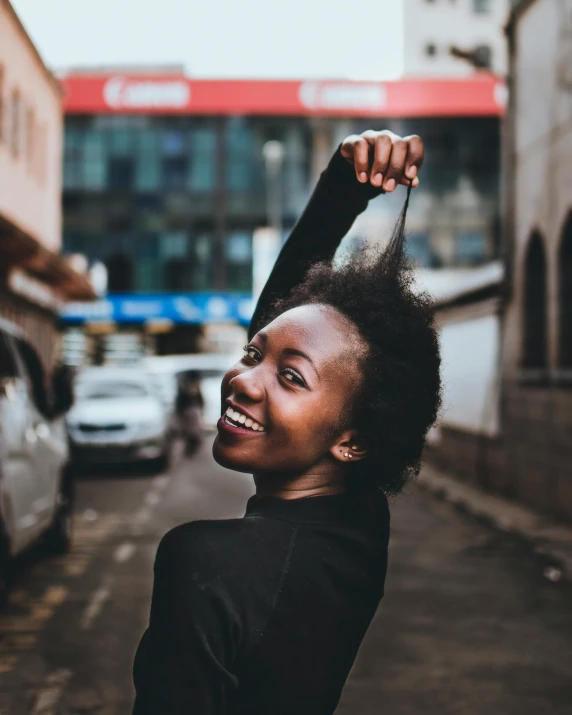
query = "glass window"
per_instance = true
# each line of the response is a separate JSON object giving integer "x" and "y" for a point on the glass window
{"x": 481, "y": 7}
{"x": 417, "y": 248}
{"x": 175, "y": 170}
{"x": 238, "y": 250}
{"x": 202, "y": 165}
{"x": 148, "y": 164}
{"x": 179, "y": 274}
{"x": 203, "y": 251}
{"x": 119, "y": 273}
{"x": 173, "y": 143}
{"x": 174, "y": 244}
{"x": 120, "y": 173}
{"x": 122, "y": 141}
{"x": 471, "y": 247}
{"x": 94, "y": 156}
{"x": 243, "y": 161}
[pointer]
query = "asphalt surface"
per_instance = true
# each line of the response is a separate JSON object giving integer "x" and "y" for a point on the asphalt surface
{"x": 469, "y": 625}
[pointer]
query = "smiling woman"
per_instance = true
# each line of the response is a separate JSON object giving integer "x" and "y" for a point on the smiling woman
{"x": 328, "y": 409}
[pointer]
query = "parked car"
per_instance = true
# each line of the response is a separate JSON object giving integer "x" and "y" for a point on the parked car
{"x": 117, "y": 417}
{"x": 36, "y": 489}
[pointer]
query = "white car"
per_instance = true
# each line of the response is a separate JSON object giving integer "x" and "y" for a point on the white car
{"x": 35, "y": 487}
{"x": 117, "y": 417}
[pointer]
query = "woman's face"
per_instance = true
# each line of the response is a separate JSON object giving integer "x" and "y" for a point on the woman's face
{"x": 285, "y": 404}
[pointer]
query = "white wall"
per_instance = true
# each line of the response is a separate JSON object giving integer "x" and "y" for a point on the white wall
{"x": 451, "y": 22}
{"x": 470, "y": 370}
{"x": 542, "y": 105}
{"x": 30, "y": 183}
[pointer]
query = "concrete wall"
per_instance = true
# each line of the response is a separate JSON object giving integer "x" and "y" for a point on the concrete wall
{"x": 30, "y": 176}
{"x": 531, "y": 459}
{"x": 444, "y": 23}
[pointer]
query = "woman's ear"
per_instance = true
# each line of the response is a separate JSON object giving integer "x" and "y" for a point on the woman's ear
{"x": 350, "y": 447}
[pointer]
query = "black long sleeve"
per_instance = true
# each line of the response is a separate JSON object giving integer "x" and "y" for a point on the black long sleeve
{"x": 333, "y": 207}
{"x": 262, "y": 615}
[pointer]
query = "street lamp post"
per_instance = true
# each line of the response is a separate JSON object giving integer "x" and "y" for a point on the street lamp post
{"x": 273, "y": 152}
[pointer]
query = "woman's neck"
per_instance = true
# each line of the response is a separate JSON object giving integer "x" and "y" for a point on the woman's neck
{"x": 309, "y": 484}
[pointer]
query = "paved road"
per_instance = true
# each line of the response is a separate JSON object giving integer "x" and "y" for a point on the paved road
{"x": 469, "y": 625}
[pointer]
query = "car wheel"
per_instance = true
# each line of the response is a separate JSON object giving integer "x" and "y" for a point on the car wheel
{"x": 58, "y": 538}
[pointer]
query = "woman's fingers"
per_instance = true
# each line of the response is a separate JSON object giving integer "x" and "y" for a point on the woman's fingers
{"x": 381, "y": 154}
{"x": 355, "y": 149}
{"x": 384, "y": 158}
{"x": 415, "y": 156}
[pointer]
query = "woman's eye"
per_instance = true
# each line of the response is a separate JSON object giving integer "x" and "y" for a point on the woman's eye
{"x": 292, "y": 376}
{"x": 251, "y": 353}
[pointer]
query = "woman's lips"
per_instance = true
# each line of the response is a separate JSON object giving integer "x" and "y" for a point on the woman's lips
{"x": 225, "y": 426}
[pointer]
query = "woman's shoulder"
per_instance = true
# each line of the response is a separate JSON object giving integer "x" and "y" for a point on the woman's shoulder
{"x": 222, "y": 545}
{"x": 198, "y": 536}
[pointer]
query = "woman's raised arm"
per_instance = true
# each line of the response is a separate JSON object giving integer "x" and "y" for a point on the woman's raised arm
{"x": 363, "y": 166}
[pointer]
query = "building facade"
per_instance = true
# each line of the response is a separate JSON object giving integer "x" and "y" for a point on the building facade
{"x": 527, "y": 452}
{"x": 166, "y": 184}
{"x": 433, "y": 27}
{"x": 34, "y": 279}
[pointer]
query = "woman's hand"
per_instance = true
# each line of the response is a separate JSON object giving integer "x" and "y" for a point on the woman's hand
{"x": 384, "y": 158}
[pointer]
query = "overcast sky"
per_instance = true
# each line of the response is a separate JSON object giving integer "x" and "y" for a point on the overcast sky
{"x": 223, "y": 38}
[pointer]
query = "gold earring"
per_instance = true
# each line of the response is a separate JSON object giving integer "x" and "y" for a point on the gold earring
{"x": 346, "y": 454}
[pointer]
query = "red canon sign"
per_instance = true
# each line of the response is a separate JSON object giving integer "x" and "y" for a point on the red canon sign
{"x": 106, "y": 94}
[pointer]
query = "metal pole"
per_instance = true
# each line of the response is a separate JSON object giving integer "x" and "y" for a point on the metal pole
{"x": 273, "y": 152}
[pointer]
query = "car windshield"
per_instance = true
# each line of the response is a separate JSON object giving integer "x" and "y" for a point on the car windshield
{"x": 109, "y": 389}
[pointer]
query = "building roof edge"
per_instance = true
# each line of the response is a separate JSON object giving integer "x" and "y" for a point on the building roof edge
{"x": 53, "y": 80}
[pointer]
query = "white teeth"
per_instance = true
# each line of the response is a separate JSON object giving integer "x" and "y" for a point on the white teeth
{"x": 241, "y": 419}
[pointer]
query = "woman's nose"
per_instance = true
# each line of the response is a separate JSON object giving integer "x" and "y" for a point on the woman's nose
{"x": 248, "y": 384}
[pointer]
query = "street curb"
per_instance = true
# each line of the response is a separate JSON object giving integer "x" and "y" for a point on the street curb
{"x": 549, "y": 538}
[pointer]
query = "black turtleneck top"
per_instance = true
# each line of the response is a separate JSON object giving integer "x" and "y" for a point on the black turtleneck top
{"x": 264, "y": 615}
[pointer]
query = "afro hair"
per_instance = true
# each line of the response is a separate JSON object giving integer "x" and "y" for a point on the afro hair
{"x": 400, "y": 393}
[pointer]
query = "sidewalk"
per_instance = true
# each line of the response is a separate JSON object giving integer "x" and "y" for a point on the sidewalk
{"x": 550, "y": 539}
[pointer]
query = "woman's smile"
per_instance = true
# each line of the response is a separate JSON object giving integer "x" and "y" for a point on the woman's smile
{"x": 239, "y": 422}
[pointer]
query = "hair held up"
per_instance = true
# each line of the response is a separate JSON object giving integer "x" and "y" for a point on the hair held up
{"x": 401, "y": 389}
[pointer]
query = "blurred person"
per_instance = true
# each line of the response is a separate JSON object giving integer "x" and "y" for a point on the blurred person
{"x": 189, "y": 405}
{"x": 328, "y": 409}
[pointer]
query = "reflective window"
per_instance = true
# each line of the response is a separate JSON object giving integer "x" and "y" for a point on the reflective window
{"x": 119, "y": 273}
{"x": 175, "y": 170}
{"x": 482, "y": 7}
{"x": 120, "y": 173}
{"x": 202, "y": 165}
{"x": 243, "y": 168}
{"x": 238, "y": 250}
{"x": 470, "y": 248}
{"x": 418, "y": 250}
